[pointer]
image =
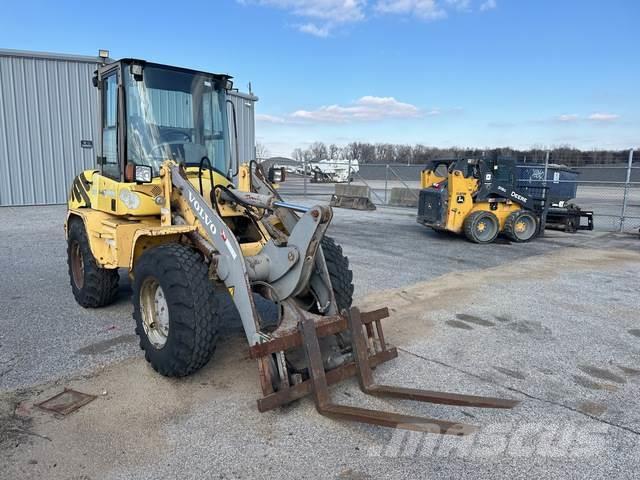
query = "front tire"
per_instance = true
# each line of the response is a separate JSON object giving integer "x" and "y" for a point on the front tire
{"x": 521, "y": 226}
{"x": 175, "y": 309}
{"x": 92, "y": 285}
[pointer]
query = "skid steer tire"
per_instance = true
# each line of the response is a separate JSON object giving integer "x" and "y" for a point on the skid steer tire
{"x": 521, "y": 226}
{"x": 175, "y": 308}
{"x": 481, "y": 227}
{"x": 339, "y": 272}
{"x": 92, "y": 285}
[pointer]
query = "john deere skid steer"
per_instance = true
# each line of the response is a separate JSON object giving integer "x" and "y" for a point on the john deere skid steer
{"x": 172, "y": 204}
{"x": 480, "y": 198}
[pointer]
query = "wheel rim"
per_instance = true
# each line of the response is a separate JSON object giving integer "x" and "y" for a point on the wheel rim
{"x": 524, "y": 227}
{"x": 155, "y": 312}
{"x": 77, "y": 265}
{"x": 485, "y": 229}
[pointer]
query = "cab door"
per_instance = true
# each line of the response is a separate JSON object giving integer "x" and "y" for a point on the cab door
{"x": 109, "y": 157}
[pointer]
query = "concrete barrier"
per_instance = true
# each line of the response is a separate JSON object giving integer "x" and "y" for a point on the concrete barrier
{"x": 352, "y": 196}
{"x": 404, "y": 197}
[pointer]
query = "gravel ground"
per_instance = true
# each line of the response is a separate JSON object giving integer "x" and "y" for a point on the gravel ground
{"x": 553, "y": 323}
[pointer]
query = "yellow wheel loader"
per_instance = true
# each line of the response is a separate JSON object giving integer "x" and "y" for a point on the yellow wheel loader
{"x": 480, "y": 198}
{"x": 171, "y": 203}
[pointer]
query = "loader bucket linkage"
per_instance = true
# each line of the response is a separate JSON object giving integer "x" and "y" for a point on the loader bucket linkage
{"x": 310, "y": 328}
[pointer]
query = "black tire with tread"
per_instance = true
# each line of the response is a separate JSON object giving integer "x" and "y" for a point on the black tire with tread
{"x": 471, "y": 221}
{"x": 100, "y": 286}
{"x": 193, "y": 309}
{"x": 510, "y": 222}
{"x": 339, "y": 272}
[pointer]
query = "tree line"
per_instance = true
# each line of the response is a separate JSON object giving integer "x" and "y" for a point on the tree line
{"x": 365, "y": 152}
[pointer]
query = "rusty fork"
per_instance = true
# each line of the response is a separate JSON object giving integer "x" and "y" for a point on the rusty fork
{"x": 365, "y": 378}
{"x": 326, "y": 407}
{"x": 303, "y": 329}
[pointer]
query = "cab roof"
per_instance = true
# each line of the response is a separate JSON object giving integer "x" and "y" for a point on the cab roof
{"x": 220, "y": 76}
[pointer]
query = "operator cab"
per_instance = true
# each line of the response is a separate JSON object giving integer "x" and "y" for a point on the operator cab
{"x": 150, "y": 113}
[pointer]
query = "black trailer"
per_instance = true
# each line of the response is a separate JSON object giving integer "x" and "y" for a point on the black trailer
{"x": 561, "y": 186}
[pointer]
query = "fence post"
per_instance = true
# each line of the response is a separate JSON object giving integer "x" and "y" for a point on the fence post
{"x": 386, "y": 180}
{"x": 546, "y": 167}
{"x": 626, "y": 191}
{"x": 304, "y": 170}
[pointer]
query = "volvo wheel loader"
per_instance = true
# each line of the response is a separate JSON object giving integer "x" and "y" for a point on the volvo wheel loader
{"x": 480, "y": 198}
{"x": 191, "y": 223}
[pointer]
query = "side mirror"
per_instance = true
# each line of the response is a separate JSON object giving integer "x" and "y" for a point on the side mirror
{"x": 276, "y": 174}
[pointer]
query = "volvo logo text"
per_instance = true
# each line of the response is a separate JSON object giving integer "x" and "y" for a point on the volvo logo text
{"x": 200, "y": 211}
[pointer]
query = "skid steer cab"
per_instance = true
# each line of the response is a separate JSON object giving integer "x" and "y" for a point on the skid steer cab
{"x": 480, "y": 198}
{"x": 195, "y": 227}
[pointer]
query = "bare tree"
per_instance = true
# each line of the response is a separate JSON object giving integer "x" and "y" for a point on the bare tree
{"x": 333, "y": 151}
{"x": 352, "y": 151}
{"x": 262, "y": 153}
{"x": 419, "y": 154}
{"x": 298, "y": 155}
{"x": 318, "y": 151}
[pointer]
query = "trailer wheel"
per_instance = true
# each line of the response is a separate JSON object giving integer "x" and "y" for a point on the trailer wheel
{"x": 481, "y": 227}
{"x": 521, "y": 226}
{"x": 92, "y": 285}
{"x": 175, "y": 309}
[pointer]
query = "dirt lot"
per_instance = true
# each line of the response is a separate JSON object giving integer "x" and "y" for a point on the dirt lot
{"x": 554, "y": 324}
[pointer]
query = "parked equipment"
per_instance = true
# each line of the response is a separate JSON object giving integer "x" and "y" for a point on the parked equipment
{"x": 191, "y": 224}
{"x": 487, "y": 197}
{"x": 481, "y": 198}
{"x": 333, "y": 171}
{"x": 561, "y": 186}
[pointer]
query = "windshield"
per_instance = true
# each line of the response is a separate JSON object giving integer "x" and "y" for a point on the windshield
{"x": 175, "y": 115}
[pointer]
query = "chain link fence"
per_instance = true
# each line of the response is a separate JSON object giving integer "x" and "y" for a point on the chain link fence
{"x": 610, "y": 190}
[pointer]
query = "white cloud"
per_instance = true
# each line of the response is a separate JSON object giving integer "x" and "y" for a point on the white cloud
{"x": 461, "y": 5}
{"x": 367, "y": 108}
{"x": 568, "y": 117}
{"x": 322, "y": 17}
{"x": 603, "y": 117}
{"x": 425, "y": 9}
{"x": 595, "y": 117}
{"x": 262, "y": 117}
{"x": 313, "y": 29}
{"x": 488, "y": 5}
{"x": 326, "y": 14}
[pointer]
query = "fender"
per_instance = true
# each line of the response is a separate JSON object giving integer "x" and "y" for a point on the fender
{"x": 107, "y": 232}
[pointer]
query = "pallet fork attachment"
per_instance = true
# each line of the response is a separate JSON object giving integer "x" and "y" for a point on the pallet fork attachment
{"x": 307, "y": 334}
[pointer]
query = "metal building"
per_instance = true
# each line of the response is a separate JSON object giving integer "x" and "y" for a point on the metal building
{"x": 48, "y": 111}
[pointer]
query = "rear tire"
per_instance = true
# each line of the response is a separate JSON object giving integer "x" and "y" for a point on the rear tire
{"x": 176, "y": 309}
{"x": 481, "y": 227}
{"x": 521, "y": 226}
{"x": 92, "y": 285}
{"x": 339, "y": 272}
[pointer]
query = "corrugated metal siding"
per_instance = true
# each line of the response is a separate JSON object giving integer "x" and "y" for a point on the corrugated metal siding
{"x": 245, "y": 116}
{"x": 47, "y": 106}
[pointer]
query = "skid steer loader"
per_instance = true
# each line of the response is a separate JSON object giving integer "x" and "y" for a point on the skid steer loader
{"x": 480, "y": 198}
{"x": 170, "y": 203}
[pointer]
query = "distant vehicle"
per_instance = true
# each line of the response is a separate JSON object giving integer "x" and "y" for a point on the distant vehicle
{"x": 483, "y": 198}
{"x": 333, "y": 171}
{"x": 287, "y": 167}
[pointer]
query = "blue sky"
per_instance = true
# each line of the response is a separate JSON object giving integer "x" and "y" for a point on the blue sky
{"x": 478, "y": 73}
